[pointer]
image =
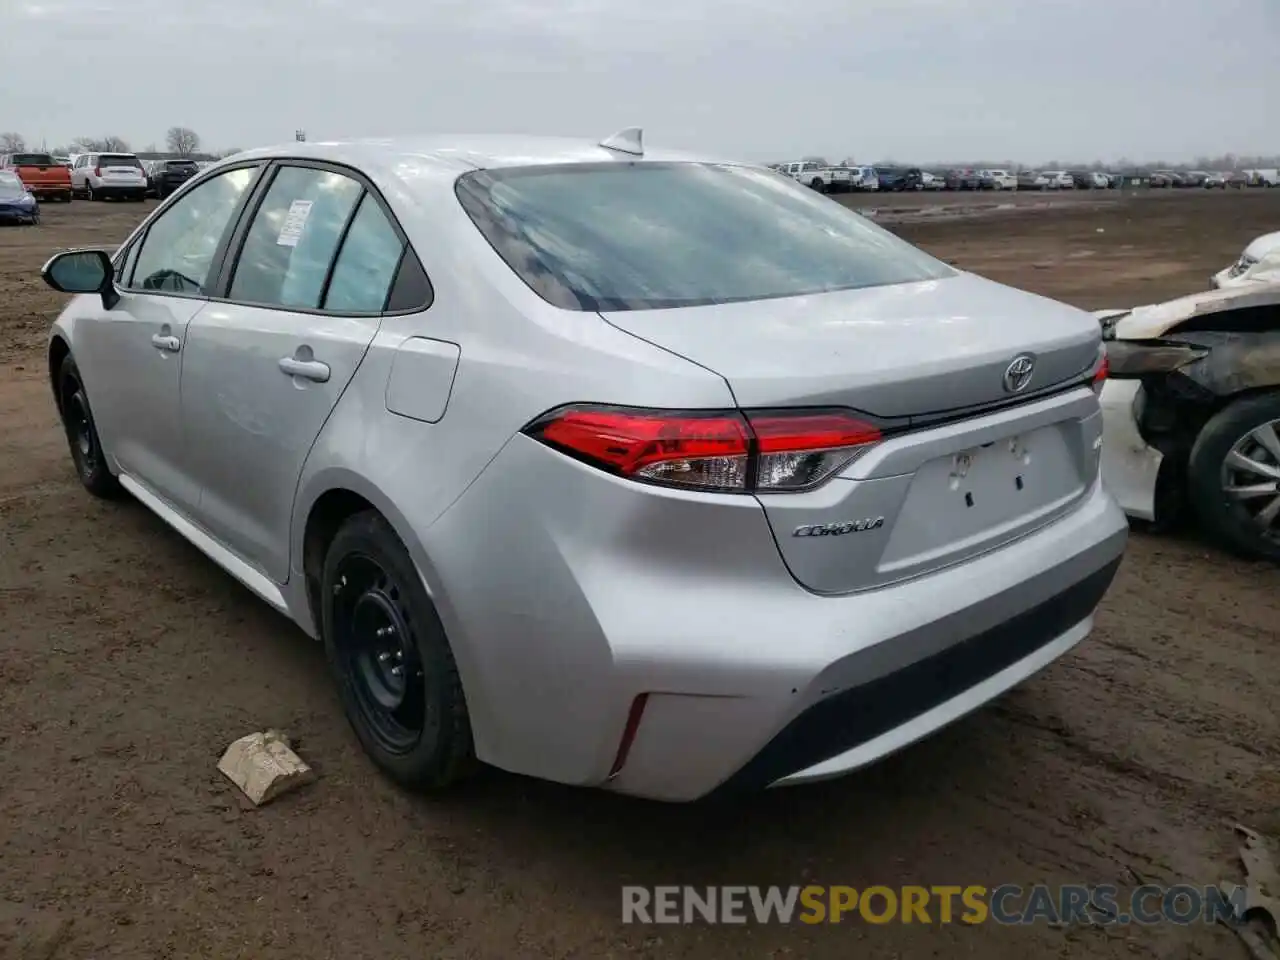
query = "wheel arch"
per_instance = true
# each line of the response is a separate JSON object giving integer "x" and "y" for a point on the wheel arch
{"x": 324, "y": 502}
{"x": 326, "y": 499}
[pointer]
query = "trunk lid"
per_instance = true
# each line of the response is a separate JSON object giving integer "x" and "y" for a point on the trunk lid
{"x": 963, "y": 468}
{"x": 910, "y": 349}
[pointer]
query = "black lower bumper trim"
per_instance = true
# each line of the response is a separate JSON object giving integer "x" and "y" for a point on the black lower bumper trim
{"x": 855, "y": 716}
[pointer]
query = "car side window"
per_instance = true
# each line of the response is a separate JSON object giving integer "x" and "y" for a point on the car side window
{"x": 177, "y": 253}
{"x": 291, "y": 242}
{"x": 366, "y": 263}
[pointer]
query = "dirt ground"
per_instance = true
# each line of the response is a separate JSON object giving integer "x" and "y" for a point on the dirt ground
{"x": 128, "y": 662}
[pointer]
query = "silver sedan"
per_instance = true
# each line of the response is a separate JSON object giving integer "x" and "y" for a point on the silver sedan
{"x": 609, "y": 466}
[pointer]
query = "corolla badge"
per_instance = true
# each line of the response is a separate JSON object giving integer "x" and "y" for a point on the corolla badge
{"x": 838, "y": 529}
{"x": 1017, "y": 376}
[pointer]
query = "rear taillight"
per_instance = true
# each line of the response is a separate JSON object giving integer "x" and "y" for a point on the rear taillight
{"x": 1100, "y": 373}
{"x": 714, "y": 451}
{"x": 97, "y": 171}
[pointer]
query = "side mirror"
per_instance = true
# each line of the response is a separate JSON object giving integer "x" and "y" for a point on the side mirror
{"x": 82, "y": 271}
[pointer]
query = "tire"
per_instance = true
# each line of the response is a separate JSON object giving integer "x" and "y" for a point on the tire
{"x": 82, "y": 434}
{"x": 90, "y": 192}
{"x": 818, "y": 185}
{"x": 1232, "y": 520}
{"x": 413, "y": 725}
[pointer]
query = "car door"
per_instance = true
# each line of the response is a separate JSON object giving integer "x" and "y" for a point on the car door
{"x": 131, "y": 355}
{"x": 267, "y": 362}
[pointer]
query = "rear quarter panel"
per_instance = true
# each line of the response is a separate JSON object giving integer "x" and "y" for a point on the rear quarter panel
{"x": 518, "y": 357}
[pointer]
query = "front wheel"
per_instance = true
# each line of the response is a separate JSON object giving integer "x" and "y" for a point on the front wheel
{"x": 1234, "y": 476}
{"x": 387, "y": 648}
{"x": 82, "y": 433}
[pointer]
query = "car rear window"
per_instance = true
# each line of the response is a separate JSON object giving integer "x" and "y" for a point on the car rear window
{"x": 638, "y": 236}
{"x": 118, "y": 160}
{"x": 180, "y": 164}
{"x": 32, "y": 160}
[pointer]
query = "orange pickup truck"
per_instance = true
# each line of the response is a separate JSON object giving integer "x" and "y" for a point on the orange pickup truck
{"x": 40, "y": 173}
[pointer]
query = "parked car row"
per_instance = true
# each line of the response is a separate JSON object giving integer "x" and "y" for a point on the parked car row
{"x": 1221, "y": 180}
{"x": 840, "y": 178}
{"x": 94, "y": 176}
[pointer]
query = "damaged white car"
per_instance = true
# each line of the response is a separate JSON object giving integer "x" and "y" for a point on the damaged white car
{"x": 1191, "y": 413}
{"x": 1259, "y": 263}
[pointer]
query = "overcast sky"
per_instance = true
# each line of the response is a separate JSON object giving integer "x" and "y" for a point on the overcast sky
{"x": 912, "y": 80}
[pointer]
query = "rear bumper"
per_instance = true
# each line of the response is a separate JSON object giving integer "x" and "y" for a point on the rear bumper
{"x": 108, "y": 189}
{"x": 865, "y": 723}
{"x": 41, "y": 191}
{"x": 568, "y": 595}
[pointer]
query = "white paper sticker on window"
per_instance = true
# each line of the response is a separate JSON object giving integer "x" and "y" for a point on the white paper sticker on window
{"x": 299, "y": 210}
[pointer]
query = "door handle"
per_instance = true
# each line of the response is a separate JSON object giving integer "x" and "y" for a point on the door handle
{"x": 307, "y": 369}
{"x": 170, "y": 343}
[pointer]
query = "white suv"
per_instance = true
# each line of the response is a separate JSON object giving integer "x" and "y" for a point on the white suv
{"x": 99, "y": 175}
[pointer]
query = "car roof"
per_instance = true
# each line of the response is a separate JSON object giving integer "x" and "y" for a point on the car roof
{"x": 460, "y": 153}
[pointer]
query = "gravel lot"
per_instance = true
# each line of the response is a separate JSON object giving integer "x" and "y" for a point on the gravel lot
{"x": 128, "y": 662}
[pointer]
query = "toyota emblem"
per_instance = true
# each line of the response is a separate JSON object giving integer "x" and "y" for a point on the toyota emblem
{"x": 1017, "y": 376}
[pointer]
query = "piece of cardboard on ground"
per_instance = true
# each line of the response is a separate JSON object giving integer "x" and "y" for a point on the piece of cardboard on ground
{"x": 264, "y": 766}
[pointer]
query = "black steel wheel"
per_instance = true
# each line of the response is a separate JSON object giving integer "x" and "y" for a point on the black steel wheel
{"x": 82, "y": 434}
{"x": 386, "y": 646}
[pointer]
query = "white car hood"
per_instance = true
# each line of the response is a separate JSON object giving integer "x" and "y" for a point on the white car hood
{"x": 1157, "y": 319}
{"x": 1263, "y": 246}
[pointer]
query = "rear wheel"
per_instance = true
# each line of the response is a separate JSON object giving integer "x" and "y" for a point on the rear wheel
{"x": 1234, "y": 476}
{"x": 89, "y": 191}
{"x": 82, "y": 433}
{"x": 396, "y": 673}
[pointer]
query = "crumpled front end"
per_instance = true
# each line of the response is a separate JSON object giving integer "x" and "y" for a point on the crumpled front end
{"x": 1172, "y": 366}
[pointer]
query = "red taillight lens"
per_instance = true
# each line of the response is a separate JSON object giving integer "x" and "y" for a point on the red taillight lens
{"x": 97, "y": 171}
{"x": 1100, "y": 373}
{"x": 708, "y": 451}
{"x": 720, "y": 451}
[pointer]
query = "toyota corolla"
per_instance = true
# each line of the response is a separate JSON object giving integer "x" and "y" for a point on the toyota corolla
{"x": 609, "y": 466}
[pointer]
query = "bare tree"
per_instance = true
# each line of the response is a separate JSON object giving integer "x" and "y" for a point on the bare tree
{"x": 109, "y": 144}
{"x": 182, "y": 140}
{"x": 12, "y": 143}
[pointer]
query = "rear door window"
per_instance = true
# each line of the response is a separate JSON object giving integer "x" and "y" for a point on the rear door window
{"x": 288, "y": 249}
{"x": 118, "y": 160}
